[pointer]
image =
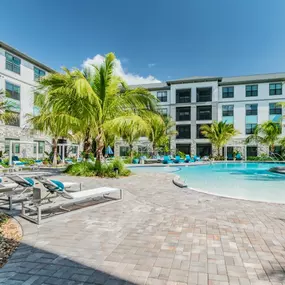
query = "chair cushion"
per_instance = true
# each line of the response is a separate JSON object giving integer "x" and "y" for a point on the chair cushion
{"x": 60, "y": 185}
{"x": 30, "y": 181}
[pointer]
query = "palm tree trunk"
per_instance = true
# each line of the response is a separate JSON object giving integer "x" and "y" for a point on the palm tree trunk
{"x": 87, "y": 144}
{"x": 54, "y": 149}
{"x": 99, "y": 150}
{"x": 219, "y": 150}
{"x": 131, "y": 151}
{"x": 272, "y": 148}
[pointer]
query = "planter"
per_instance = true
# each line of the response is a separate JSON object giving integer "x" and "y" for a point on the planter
{"x": 136, "y": 161}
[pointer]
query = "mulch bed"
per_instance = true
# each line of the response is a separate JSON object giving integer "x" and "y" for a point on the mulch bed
{"x": 10, "y": 236}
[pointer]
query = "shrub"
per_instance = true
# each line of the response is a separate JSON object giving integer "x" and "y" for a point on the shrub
{"x": 81, "y": 169}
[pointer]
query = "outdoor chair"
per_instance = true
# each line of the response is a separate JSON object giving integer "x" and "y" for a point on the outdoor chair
{"x": 177, "y": 159}
{"x": 50, "y": 200}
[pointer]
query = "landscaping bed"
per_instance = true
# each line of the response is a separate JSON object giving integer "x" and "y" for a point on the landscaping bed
{"x": 10, "y": 236}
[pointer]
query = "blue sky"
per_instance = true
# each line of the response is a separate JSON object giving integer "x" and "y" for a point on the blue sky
{"x": 167, "y": 39}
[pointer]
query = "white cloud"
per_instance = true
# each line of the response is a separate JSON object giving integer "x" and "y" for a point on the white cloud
{"x": 130, "y": 78}
{"x": 150, "y": 65}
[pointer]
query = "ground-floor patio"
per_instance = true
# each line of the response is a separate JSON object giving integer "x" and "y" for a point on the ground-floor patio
{"x": 159, "y": 234}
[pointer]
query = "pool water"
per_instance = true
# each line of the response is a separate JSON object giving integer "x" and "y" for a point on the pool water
{"x": 252, "y": 181}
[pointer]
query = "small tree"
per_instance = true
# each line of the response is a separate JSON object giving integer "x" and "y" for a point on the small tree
{"x": 266, "y": 134}
{"x": 6, "y": 113}
{"x": 219, "y": 133}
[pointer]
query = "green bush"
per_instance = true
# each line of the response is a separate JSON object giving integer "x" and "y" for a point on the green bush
{"x": 219, "y": 157}
{"x": 106, "y": 170}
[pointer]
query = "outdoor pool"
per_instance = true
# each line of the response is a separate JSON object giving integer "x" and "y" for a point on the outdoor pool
{"x": 252, "y": 181}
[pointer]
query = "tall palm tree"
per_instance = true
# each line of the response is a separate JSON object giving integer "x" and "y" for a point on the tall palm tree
{"x": 130, "y": 129}
{"x": 219, "y": 133}
{"x": 267, "y": 134}
{"x": 95, "y": 98}
{"x": 161, "y": 129}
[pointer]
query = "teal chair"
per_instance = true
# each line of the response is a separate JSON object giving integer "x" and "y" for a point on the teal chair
{"x": 177, "y": 159}
{"x": 197, "y": 158}
{"x": 166, "y": 159}
{"x": 238, "y": 156}
{"x": 188, "y": 158}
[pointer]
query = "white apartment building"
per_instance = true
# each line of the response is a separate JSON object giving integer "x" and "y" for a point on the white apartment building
{"x": 244, "y": 101}
{"x": 18, "y": 77}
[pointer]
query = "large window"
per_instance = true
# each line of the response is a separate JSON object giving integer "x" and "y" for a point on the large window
{"x": 16, "y": 146}
{"x": 251, "y": 109}
{"x": 183, "y": 96}
{"x": 228, "y": 92}
{"x": 124, "y": 150}
{"x": 204, "y": 113}
{"x": 249, "y": 128}
{"x": 13, "y": 91}
{"x": 185, "y": 148}
{"x": 14, "y": 120}
{"x": 41, "y": 147}
{"x": 251, "y": 90}
{"x": 13, "y": 63}
{"x": 183, "y": 113}
{"x": 199, "y": 134}
{"x": 275, "y": 89}
{"x": 228, "y": 110}
{"x": 251, "y": 151}
{"x": 204, "y": 149}
{"x": 204, "y": 94}
{"x": 183, "y": 131}
{"x": 275, "y": 109}
{"x": 38, "y": 73}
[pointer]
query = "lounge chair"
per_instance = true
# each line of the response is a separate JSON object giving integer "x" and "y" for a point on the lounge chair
{"x": 238, "y": 156}
{"x": 53, "y": 185}
{"x": 52, "y": 199}
{"x": 230, "y": 156}
{"x": 188, "y": 158}
{"x": 166, "y": 159}
{"x": 177, "y": 159}
{"x": 197, "y": 158}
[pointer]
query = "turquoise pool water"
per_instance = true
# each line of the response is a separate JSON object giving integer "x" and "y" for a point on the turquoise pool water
{"x": 252, "y": 181}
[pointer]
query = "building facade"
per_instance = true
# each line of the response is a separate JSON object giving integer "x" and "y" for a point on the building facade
{"x": 19, "y": 74}
{"x": 245, "y": 101}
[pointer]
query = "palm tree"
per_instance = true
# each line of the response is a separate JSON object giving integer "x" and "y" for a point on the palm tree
{"x": 130, "y": 129}
{"x": 6, "y": 113}
{"x": 95, "y": 98}
{"x": 267, "y": 134}
{"x": 161, "y": 129}
{"x": 219, "y": 133}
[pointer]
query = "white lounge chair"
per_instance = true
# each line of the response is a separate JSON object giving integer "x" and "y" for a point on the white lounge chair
{"x": 48, "y": 200}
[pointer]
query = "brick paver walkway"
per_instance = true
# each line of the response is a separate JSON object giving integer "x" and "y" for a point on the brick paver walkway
{"x": 159, "y": 234}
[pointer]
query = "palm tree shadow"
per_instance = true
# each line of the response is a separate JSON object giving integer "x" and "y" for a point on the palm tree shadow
{"x": 31, "y": 265}
{"x": 275, "y": 275}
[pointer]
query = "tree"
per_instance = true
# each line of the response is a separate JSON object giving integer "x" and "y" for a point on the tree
{"x": 94, "y": 99}
{"x": 130, "y": 129}
{"x": 266, "y": 134}
{"x": 161, "y": 129}
{"x": 6, "y": 113}
{"x": 219, "y": 133}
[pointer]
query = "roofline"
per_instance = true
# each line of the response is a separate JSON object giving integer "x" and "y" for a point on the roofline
{"x": 193, "y": 80}
{"x": 26, "y": 57}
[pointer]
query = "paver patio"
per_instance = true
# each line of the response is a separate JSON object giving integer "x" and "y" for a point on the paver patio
{"x": 159, "y": 234}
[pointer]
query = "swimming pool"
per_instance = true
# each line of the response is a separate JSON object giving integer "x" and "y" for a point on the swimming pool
{"x": 251, "y": 181}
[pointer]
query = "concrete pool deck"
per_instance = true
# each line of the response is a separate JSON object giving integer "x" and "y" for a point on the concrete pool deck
{"x": 159, "y": 234}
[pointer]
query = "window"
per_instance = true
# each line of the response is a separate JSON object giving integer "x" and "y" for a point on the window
{"x": 184, "y": 131}
{"x": 41, "y": 147}
{"x": 199, "y": 135}
{"x": 183, "y": 113}
{"x": 13, "y": 63}
{"x": 228, "y": 110}
{"x": 15, "y": 121}
{"x": 13, "y": 91}
{"x": 185, "y": 148}
{"x": 249, "y": 128}
{"x": 38, "y": 73}
{"x": 275, "y": 89}
{"x": 251, "y": 109}
{"x": 204, "y": 94}
{"x": 204, "y": 149}
{"x": 183, "y": 96}
{"x": 163, "y": 111}
{"x": 275, "y": 109}
{"x": 124, "y": 150}
{"x": 204, "y": 113}
{"x": 228, "y": 92}
{"x": 251, "y": 90}
{"x": 278, "y": 150}
{"x": 16, "y": 146}
{"x": 251, "y": 151}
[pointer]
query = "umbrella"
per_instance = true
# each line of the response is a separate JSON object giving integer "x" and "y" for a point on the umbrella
{"x": 109, "y": 150}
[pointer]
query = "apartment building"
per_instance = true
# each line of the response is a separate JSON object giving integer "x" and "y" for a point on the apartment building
{"x": 244, "y": 101}
{"x": 19, "y": 74}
